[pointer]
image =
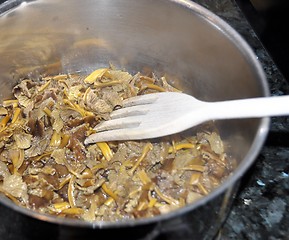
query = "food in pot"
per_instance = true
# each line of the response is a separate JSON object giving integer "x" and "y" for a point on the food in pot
{"x": 45, "y": 165}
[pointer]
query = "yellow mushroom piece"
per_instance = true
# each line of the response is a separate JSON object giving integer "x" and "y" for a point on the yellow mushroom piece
{"x": 86, "y": 174}
{"x": 73, "y": 211}
{"x": 180, "y": 146}
{"x": 105, "y": 149}
{"x": 38, "y": 158}
{"x": 17, "y": 157}
{"x": 107, "y": 84}
{"x": 62, "y": 77}
{"x": 70, "y": 193}
{"x": 148, "y": 147}
{"x": 152, "y": 202}
{"x": 90, "y": 131}
{"x": 87, "y": 91}
{"x": 147, "y": 79}
{"x": 64, "y": 181}
{"x": 77, "y": 108}
{"x": 195, "y": 178}
{"x": 3, "y": 111}
{"x": 16, "y": 114}
{"x": 44, "y": 86}
{"x": 143, "y": 177}
{"x": 166, "y": 198}
{"x": 97, "y": 167}
{"x": 59, "y": 207}
{"x": 142, "y": 206}
{"x": 47, "y": 111}
{"x": 195, "y": 167}
{"x": 153, "y": 87}
{"x": 64, "y": 140}
{"x": 55, "y": 139}
{"x": 202, "y": 188}
{"x": 109, "y": 201}
{"x": 10, "y": 102}
{"x": 108, "y": 191}
{"x": 95, "y": 75}
{"x": 4, "y": 121}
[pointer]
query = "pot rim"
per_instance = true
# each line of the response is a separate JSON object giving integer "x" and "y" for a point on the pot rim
{"x": 248, "y": 160}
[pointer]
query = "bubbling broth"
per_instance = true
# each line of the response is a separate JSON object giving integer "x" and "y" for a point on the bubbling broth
{"x": 45, "y": 165}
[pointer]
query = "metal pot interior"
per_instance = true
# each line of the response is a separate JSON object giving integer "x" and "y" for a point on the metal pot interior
{"x": 198, "y": 52}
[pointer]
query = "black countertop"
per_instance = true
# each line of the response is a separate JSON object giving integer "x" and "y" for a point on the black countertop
{"x": 261, "y": 207}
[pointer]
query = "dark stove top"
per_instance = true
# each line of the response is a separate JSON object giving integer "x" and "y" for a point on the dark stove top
{"x": 261, "y": 207}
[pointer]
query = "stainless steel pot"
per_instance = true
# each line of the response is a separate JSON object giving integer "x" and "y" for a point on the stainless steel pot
{"x": 196, "y": 49}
